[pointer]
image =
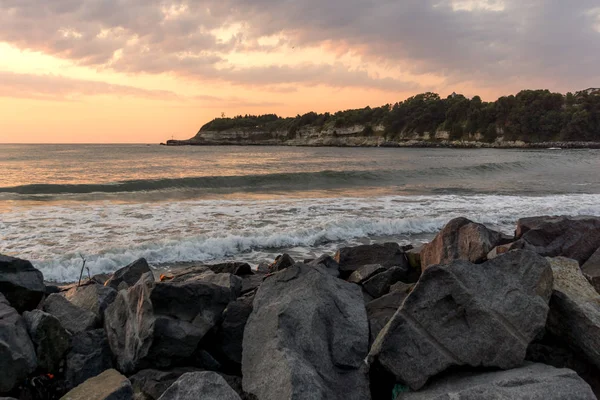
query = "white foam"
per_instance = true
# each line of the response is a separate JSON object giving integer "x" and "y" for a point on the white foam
{"x": 111, "y": 235}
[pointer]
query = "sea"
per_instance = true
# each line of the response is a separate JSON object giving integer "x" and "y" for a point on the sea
{"x": 112, "y": 204}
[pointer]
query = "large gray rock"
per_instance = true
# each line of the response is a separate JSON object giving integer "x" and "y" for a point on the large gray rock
{"x": 251, "y": 282}
{"x": 466, "y": 314}
{"x": 89, "y": 356}
{"x": 150, "y": 384}
{"x": 50, "y": 339}
{"x": 380, "y": 284}
{"x": 387, "y": 255}
{"x": 129, "y": 275}
{"x": 109, "y": 385}
{"x": 95, "y": 298}
{"x": 328, "y": 263}
{"x": 365, "y": 272}
{"x": 281, "y": 262}
{"x": 200, "y": 385}
{"x": 575, "y": 309}
{"x": 381, "y": 310}
{"x": 21, "y": 284}
{"x": 572, "y": 237}
{"x": 17, "y": 354}
{"x": 74, "y": 319}
{"x": 231, "y": 330}
{"x": 591, "y": 270}
{"x": 129, "y": 323}
{"x": 184, "y": 312}
{"x": 232, "y": 267}
{"x": 306, "y": 338}
{"x": 461, "y": 239}
{"x": 531, "y": 382}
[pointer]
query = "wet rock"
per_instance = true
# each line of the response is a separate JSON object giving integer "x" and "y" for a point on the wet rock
{"x": 572, "y": 237}
{"x": 365, "y": 272}
{"x": 380, "y": 284}
{"x": 387, "y": 255}
{"x": 466, "y": 314}
{"x": 89, "y": 356}
{"x": 150, "y": 384}
{"x": 591, "y": 270}
{"x": 17, "y": 354}
{"x": 129, "y": 274}
{"x": 461, "y": 239}
{"x": 50, "y": 339}
{"x": 195, "y": 385}
{"x": 95, "y": 298}
{"x": 381, "y": 310}
{"x": 74, "y": 319}
{"x": 235, "y": 268}
{"x": 328, "y": 263}
{"x": 533, "y": 381}
{"x": 306, "y": 338}
{"x": 281, "y": 262}
{"x": 129, "y": 323}
{"x": 21, "y": 284}
{"x": 575, "y": 309}
{"x": 109, "y": 385}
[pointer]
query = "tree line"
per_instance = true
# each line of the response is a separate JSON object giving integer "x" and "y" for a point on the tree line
{"x": 530, "y": 116}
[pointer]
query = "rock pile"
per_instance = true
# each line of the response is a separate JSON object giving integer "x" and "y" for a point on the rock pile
{"x": 473, "y": 314}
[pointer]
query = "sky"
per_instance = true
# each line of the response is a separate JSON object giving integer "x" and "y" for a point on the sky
{"x": 144, "y": 71}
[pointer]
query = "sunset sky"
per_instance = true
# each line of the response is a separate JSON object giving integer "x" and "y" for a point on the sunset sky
{"x": 141, "y": 71}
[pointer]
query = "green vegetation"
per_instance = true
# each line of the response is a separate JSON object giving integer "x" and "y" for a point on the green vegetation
{"x": 530, "y": 116}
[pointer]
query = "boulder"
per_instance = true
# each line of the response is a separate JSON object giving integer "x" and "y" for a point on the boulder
{"x": 381, "y": 310}
{"x": 402, "y": 287}
{"x": 129, "y": 274}
{"x": 229, "y": 281}
{"x": 74, "y": 319}
{"x": 50, "y": 339}
{"x": 184, "y": 312}
{"x": 461, "y": 239}
{"x": 306, "y": 338}
{"x": 95, "y": 298}
{"x": 387, "y": 255}
{"x": 17, "y": 354}
{"x": 380, "y": 284}
{"x": 232, "y": 267}
{"x": 466, "y": 314}
{"x": 326, "y": 261}
{"x": 281, "y": 262}
{"x": 196, "y": 385}
{"x": 129, "y": 323}
{"x": 365, "y": 272}
{"x": 191, "y": 273}
{"x": 263, "y": 267}
{"x": 231, "y": 330}
{"x": 501, "y": 249}
{"x": 109, "y": 385}
{"x": 574, "y": 309}
{"x": 413, "y": 255}
{"x": 89, "y": 356}
{"x": 21, "y": 284}
{"x": 150, "y": 384}
{"x": 591, "y": 270}
{"x": 251, "y": 282}
{"x": 530, "y": 382}
{"x": 572, "y": 237}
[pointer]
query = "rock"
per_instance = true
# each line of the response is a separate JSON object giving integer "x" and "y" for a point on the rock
{"x": 17, "y": 354}
{"x": 203, "y": 360}
{"x": 461, "y": 239}
{"x": 74, "y": 319}
{"x": 233, "y": 267}
{"x": 326, "y": 261}
{"x": 530, "y": 382}
{"x": 231, "y": 331}
{"x": 501, "y": 249}
{"x": 591, "y": 270}
{"x": 184, "y": 312}
{"x": 466, "y": 314}
{"x": 109, "y": 385}
{"x": 575, "y": 309}
{"x": 281, "y": 262}
{"x": 129, "y": 274}
{"x": 129, "y": 323}
{"x": 89, "y": 356}
{"x": 572, "y": 237}
{"x": 251, "y": 282}
{"x": 365, "y": 272}
{"x": 95, "y": 298}
{"x": 50, "y": 339}
{"x": 229, "y": 281}
{"x": 380, "y": 284}
{"x": 381, "y": 310}
{"x": 21, "y": 284}
{"x": 150, "y": 384}
{"x": 402, "y": 287}
{"x": 413, "y": 255}
{"x": 306, "y": 338}
{"x": 191, "y": 273}
{"x": 263, "y": 267}
{"x": 196, "y": 385}
{"x": 387, "y": 255}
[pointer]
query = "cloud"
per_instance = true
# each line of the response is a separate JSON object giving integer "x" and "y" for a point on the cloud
{"x": 491, "y": 43}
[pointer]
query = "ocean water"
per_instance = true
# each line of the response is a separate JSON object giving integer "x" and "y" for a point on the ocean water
{"x": 111, "y": 204}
